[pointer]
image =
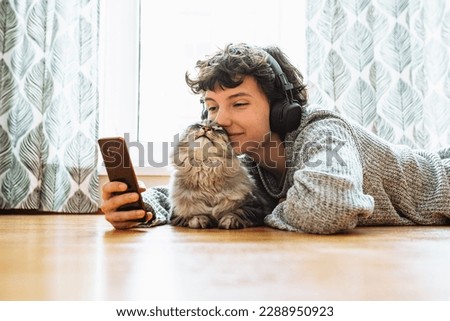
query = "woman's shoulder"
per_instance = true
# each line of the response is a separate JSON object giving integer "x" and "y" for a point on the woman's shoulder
{"x": 318, "y": 119}
{"x": 314, "y": 113}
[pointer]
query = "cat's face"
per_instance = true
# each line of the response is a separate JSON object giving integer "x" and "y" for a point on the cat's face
{"x": 203, "y": 144}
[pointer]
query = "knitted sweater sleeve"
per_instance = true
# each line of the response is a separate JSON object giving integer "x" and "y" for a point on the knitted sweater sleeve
{"x": 326, "y": 195}
{"x": 156, "y": 200}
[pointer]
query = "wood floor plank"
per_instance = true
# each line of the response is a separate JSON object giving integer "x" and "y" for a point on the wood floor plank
{"x": 81, "y": 257}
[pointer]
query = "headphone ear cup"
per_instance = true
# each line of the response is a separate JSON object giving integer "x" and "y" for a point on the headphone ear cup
{"x": 276, "y": 116}
{"x": 204, "y": 114}
{"x": 285, "y": 116}
{"x": 294, "y": 116}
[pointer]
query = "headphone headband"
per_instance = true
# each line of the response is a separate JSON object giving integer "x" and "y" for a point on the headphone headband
{"x": 287, "y": 86}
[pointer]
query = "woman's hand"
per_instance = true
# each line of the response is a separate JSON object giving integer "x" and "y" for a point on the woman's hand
{"x": 111, "y": 202}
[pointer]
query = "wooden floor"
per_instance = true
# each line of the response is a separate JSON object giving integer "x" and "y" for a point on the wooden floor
{"x": 81, "y": 257}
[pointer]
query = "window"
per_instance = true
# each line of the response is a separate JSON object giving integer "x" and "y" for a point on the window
{"x": 149, "y": 46}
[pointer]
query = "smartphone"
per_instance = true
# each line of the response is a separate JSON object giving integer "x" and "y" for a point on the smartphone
{"x": 119, "y": 167}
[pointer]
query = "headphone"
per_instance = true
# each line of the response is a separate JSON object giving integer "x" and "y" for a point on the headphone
{"x": 285, "y": 115}
{"x": 204, "y": 110}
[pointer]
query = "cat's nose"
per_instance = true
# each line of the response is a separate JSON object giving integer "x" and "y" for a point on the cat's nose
{"x": 206, "y": 129}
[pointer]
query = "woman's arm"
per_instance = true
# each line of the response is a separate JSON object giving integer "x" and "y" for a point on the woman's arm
{"x": 156, "y": 199}
{"x": 327, "y": 192}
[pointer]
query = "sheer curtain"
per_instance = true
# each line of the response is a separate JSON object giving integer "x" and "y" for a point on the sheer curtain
{"x": 49, "y": 105}
{"x": 384, "y": 64}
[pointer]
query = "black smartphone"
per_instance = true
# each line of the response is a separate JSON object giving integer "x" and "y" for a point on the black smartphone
{"x": 119, "y": 167}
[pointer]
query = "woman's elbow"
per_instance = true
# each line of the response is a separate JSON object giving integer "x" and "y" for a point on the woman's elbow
{"x": 316, "y": 225}
{"x": 325, "y": 219}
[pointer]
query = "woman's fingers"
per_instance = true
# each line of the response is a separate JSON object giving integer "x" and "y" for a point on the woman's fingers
{"x": 142, "y": 186}
{"x": 112, "y": 187}
{"x": 112, "y": 201}
{"x": 112, "y": 204}
{"x": 128, "y": 219}
{"x": 123, "y": 216}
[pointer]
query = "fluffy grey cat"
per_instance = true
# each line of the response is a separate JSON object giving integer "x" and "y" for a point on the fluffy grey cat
{"x": 210, "y": 186}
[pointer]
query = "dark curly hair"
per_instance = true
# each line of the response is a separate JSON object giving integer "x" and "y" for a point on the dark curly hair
{"x": 228, "y": 67}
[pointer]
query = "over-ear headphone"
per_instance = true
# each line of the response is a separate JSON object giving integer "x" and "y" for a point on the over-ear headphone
{"x": 204, "y": 110}
{"x": 285, "y": 115}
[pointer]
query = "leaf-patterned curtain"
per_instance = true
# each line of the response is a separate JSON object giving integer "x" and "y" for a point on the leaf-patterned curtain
{"x": 384, "y": 64}
{"x": 49, "y": 105}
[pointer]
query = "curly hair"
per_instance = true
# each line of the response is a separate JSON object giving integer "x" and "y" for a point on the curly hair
{"x": 228, "y": 67}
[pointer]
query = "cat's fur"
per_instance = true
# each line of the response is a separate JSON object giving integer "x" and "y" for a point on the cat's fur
{"x": 210, "y": 187}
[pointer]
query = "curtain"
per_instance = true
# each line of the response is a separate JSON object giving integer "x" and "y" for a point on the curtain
{"x": 384, "y": 64}
{"x": 49, "y": 105}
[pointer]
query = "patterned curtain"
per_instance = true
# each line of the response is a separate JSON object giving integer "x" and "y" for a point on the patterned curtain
{"x": 48, "y": 105}
{"x": 384, "y": 64}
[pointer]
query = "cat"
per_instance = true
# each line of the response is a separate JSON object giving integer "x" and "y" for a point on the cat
{"x": 210, "y": 186}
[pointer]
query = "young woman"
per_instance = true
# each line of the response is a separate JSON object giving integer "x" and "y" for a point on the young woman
{"x": 323, "y": 173}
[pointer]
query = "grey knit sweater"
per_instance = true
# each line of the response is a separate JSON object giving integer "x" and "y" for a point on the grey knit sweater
{"x": 340, "y": 176}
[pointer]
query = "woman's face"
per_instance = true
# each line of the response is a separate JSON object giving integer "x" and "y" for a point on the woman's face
{"x": 243, "y": 112}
